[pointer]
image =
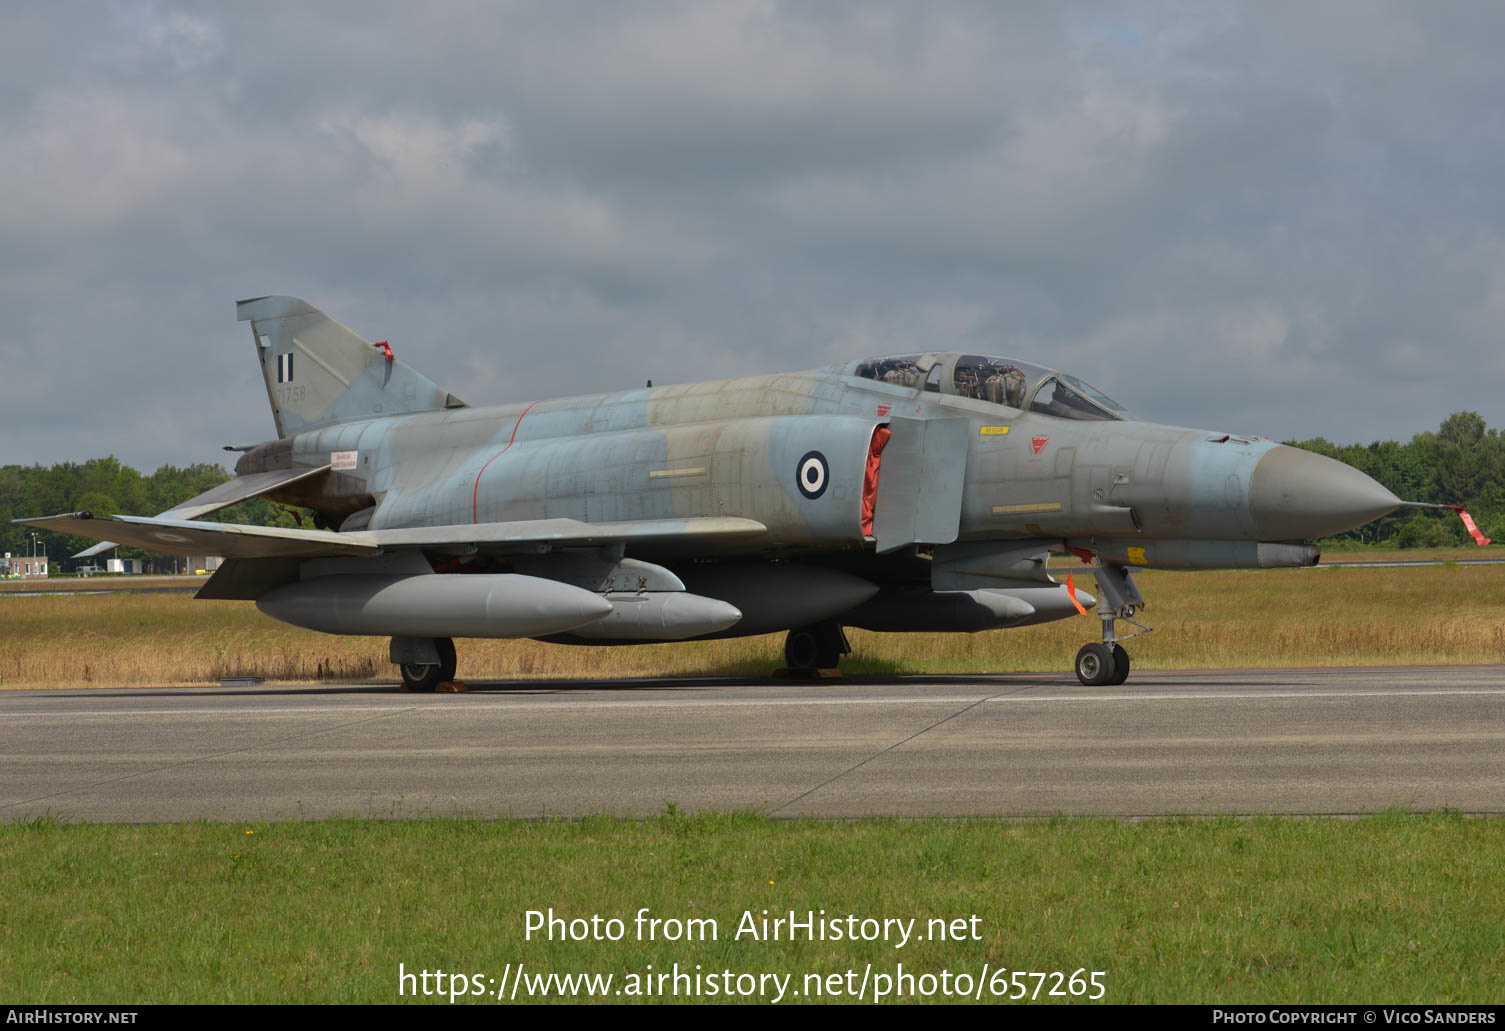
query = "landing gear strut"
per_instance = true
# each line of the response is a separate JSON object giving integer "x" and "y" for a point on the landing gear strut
{"x": 1108, "y": 663}
{"x": 810, "y": 648}
{"x": 424, "y": 662}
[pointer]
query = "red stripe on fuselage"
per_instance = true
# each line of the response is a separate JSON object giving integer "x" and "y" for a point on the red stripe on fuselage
{"x": 475, "y": 496}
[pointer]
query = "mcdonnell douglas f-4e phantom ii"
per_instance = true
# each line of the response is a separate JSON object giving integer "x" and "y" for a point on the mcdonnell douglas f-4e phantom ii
{"x": 920, "y": 493}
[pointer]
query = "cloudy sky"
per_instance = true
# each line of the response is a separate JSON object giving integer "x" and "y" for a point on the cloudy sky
{"x": 1276, "y": 218}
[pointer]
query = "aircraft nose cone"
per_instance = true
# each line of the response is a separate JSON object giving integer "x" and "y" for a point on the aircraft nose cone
{"x": 1298, "y": 495}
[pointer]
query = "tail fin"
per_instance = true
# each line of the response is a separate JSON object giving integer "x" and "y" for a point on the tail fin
{"x": 318, "y": 373}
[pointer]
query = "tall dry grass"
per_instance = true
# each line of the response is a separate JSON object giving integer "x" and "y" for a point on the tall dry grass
{"x": 1316, "y": 617}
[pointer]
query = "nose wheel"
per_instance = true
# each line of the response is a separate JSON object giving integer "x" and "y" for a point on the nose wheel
{"x": 1106, "y": 663}
{"x": 1102, "y": 664}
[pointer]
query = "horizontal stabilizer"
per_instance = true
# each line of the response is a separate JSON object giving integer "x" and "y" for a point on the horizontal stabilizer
{"x": 242, "y": 488}
{"x": 181, "y": 537}
{"x": 233, "y": 540}
{"x": 231, "y": 492}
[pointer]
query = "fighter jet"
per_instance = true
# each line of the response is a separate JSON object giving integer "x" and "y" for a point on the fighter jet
{"x": 918, "y": 493}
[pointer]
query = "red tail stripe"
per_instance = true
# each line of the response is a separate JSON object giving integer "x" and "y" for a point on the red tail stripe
{"x": 475, "y": 494}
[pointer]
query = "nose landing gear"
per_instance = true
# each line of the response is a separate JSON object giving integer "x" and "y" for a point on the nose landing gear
{"x": 1098, "y": 664}
{"x": 1108, "y": 663}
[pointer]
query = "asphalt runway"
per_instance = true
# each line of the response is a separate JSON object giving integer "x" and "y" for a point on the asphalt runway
{"x": 1240, "y": 741}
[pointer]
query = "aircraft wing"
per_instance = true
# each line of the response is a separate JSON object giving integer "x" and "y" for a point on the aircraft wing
{"x": 231, "y": 492}
{"x": 234, "y": 540}
{"x": 514, "y": 536}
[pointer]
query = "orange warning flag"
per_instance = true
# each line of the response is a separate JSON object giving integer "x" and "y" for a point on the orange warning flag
{"x": 1468, "y": 522}
{"x": 1071, "y": 590}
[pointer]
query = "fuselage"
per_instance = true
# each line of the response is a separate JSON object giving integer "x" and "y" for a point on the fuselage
{"x": 974, "y": 467}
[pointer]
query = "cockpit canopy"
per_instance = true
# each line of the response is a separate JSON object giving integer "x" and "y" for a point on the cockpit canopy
{"x": 1000, "y": 381}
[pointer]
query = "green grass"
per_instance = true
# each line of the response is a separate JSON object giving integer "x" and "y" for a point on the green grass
{"x": 1393, "y": 907}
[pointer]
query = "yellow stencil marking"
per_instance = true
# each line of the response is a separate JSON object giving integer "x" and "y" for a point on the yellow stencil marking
{"x": 990, "y": 431}
{"x": 1044, "y": 506}
{"x": 1136, "y": 557}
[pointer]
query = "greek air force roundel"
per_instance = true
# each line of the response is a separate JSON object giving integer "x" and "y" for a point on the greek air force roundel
{"x": 812, "y": 475}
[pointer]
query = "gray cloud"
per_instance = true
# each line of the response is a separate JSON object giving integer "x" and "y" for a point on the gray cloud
{"x": 1261, "y": 217}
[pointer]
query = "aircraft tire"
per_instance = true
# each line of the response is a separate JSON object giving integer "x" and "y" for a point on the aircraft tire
{"x": 1120, "y": 665}
{"x": 427, "y": 678}
{"x": 1094, "y": 665}
{"x": 813, "y": 647}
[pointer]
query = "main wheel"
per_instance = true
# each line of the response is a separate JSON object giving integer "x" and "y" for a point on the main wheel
{"x": 1120, "y": 665}
{"x": 1094, "y": 665}
{"x": 426, "y": 678}
{"x": 802, "y": 649}
{"x": 813, "y": 647}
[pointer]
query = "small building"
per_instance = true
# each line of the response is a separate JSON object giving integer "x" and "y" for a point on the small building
{"x": 23, "y": 567}
{"x": 201, "y": 564}
{"x": 128, "y": 566}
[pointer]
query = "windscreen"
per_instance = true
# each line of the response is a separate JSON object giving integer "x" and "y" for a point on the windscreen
{"x": 1088, "y": 390}
{"x": 1067, "y": 397}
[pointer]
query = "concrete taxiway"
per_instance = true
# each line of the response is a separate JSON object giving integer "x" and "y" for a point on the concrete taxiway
{"x": 1241, "y": 741}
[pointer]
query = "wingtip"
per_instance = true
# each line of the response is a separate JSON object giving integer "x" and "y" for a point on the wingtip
{"x": 39, "y": 520}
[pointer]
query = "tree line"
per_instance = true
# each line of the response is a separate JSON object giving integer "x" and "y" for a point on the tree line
{"x": 1463, "y": 463}
{"x": 107, "y": 487}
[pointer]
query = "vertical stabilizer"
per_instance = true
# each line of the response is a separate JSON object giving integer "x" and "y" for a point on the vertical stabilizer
{"x": 318, "y": 373}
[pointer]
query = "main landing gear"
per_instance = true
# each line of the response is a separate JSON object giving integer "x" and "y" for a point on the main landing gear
{"x": 1118, "y": 598}
{"x": 811, "y": 648}
{"x": 424, "y": 662}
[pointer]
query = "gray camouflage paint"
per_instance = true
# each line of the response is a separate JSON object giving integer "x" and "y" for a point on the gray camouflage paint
{"x": 732, "y": 447}
{"x": 750, "y": 491}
